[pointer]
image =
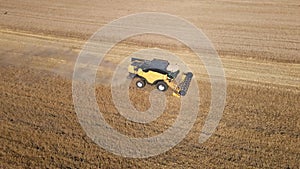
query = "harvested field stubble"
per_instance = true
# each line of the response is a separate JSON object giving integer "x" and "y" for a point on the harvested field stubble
{"x": 258, "y": 42}
{"x": 39, "y": 128}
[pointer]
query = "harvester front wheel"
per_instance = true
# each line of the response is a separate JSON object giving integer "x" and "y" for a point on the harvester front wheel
{"x": 140, "y": 83}
{"x": 162, "y": 86}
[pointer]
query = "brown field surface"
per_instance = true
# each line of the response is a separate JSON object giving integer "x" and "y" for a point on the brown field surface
{"x": 259, "y": 45}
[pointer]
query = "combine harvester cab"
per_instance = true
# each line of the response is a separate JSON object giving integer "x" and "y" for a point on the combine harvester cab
{"x": 156, "y": 72}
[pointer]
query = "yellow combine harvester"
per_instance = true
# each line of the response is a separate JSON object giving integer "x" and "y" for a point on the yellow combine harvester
{"x": 157, "y": 72}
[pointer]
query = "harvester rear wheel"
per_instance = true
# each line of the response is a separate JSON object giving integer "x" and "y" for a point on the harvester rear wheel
{"x": 140, "y": 83}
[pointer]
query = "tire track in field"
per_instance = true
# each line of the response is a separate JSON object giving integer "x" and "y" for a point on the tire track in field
{"x": 254, "y": 71}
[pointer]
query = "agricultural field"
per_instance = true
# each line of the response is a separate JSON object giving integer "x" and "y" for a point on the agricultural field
{"x": 258, "y": 43}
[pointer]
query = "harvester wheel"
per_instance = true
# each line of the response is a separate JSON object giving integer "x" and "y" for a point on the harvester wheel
{"x": 140, "y": 83}
{"x": 162, "y": 86}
